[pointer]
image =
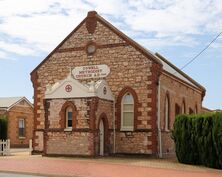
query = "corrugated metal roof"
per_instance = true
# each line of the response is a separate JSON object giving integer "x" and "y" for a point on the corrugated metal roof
{"x": 172, "y": 71}
{"x": 6, "y": 102}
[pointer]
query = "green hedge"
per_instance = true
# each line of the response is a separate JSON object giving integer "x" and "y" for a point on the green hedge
{"x": 198, "y": 139}
{"x": 3, "y": 127}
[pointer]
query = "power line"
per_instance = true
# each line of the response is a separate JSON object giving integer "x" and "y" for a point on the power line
{"x": 201, "y": 51}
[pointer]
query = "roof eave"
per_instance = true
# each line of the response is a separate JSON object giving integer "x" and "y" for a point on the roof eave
{"x": 3, "y": 108}
{"x": 182, "y": 73}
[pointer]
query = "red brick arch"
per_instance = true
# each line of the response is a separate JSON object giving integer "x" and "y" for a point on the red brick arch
{"x": 119, "y": 105}
{"x": 104, "y": 118}
{"x": 196, "y": 111}
{"x": 184, "y": 105}
{"x": 62, "y": 114}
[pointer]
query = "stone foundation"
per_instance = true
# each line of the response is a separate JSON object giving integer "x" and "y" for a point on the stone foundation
{"x": 133, "y": 142}
{"x": 69, "y": 143}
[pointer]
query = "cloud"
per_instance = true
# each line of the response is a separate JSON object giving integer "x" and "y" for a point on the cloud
{"x": 166, "y": 42}
{"x": 42, "y": 24}
{"x": 16, "y": 48}
{"x": 3, "y": 55}
{"x": 175, "y": 17}
{"x": 39, "y": 30}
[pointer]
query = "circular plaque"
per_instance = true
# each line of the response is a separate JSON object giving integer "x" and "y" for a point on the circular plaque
{"x": 91, "y": 48}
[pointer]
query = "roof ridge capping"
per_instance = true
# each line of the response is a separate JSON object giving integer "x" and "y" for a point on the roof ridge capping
{"x": 181, "y": 72}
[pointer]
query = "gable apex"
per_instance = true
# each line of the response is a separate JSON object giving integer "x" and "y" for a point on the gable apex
{"x": 91, "y": 14}
{"x": 91, "y": 23}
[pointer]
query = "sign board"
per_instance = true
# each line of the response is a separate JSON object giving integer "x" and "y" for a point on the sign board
{"x": 91, "y": 71}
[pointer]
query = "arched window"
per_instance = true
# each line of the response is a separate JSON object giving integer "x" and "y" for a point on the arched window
{"x": 127, "y": 109}
{"x": 191, "y": 111}
{"x": 177, "y": 109}
{"x": 69, "y": 117}
{"x": 183, "y": 110}
{"x": 196, "y": 110}
{"x": 167, "y": 112}
{"x": 127, "y": 112}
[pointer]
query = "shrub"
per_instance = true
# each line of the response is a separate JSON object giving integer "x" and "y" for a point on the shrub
{"x": 217, "y": 136}
{"x": 3, "y": 127}
{"x": 198, "y": 139}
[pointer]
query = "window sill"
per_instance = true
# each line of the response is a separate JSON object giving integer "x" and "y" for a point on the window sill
{"x": 127, "y": 129}
{"x": 167, "y": 130}
{"x": 22, "y": 137}
{"x": 68, "y": 129}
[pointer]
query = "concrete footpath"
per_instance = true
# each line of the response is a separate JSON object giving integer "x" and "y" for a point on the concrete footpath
{"x": 102, "y": 167}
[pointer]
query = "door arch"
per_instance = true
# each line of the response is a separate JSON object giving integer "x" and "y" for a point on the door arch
{"x": 103, "y": 135}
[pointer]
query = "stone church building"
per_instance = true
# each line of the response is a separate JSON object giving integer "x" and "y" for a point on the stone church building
{"x": 99, "y": 92}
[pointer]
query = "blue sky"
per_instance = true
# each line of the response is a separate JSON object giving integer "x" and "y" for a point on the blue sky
{"x": 177, "y": 29}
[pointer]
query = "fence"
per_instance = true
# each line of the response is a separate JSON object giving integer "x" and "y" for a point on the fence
{"x": 6, "y": 150}
{"x": 5, "y": 147}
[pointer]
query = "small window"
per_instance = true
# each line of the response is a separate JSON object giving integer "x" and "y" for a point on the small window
{"x": 127, "y": 121}
{"x": 69, "y": 115}
{"x": 21, "y": 128}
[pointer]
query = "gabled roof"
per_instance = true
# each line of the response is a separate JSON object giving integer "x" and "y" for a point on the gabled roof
{"x": 157, "y": 58}
{"x": 173, "y": 70}
{"x": 8, "y": 102}
{"x": 113, "y": 29}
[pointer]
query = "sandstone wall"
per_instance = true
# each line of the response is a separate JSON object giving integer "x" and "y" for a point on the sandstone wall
{"x": 84, "y": 138}
{"x": 133, "y": 142}
{"x": 69, "y": 143}
{"x": 82, "y": 116}
{"x": 128, "y": 66}
{"x": 177, "y": 93}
